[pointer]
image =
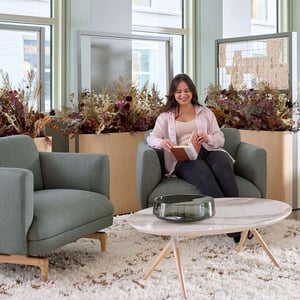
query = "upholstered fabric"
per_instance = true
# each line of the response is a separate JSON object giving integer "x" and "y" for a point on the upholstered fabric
{"x": 250, "y": 170}
{"x": 50, "y": 199}
{"x": 19, "y": 151}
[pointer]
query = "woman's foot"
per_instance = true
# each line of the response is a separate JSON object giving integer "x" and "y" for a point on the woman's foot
{"x": 235, "y": 235}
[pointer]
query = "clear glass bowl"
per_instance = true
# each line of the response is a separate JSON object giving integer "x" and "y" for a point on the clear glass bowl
{"x": 184, "y": 208}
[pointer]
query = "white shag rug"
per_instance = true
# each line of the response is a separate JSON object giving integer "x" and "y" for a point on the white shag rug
{"x": 212, "y": 268}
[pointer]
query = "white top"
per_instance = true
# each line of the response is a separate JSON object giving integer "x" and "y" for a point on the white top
{"x": 184, "y": 130}
{"x": 232, "y": 215}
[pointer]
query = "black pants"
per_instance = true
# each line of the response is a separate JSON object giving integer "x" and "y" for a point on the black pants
{"x": 212, "y": 173}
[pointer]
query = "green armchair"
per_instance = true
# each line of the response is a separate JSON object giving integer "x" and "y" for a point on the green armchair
{"x": 250, "y": 170}
{"x": 49, "y": 199}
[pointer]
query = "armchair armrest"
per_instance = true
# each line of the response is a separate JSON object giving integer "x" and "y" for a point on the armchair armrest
{"x": 81, "y": 171}
{"x": 251, "y": 163}
{"x": 16, "y": 209}
{"x": 148, "y": 172}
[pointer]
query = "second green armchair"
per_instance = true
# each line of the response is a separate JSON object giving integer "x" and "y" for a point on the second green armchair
{"x": 250, "y": 170}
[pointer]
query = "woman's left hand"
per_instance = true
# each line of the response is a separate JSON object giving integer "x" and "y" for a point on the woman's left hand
{"x": 202, "y": 138}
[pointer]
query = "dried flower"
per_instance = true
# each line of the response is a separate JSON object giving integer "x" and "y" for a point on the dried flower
{"x": 19, "y": 112}
{"x": 264, "y": 108}
{"x": 125, "y": 109}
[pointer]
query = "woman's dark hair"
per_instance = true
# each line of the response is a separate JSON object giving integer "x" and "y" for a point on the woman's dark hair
{"x": 171, "y": 102}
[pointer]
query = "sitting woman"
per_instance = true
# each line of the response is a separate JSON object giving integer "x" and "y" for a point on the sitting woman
{"x": 212, "y": 171}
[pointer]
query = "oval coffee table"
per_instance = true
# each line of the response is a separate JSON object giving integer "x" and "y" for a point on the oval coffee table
{"x": 232, "y": 215}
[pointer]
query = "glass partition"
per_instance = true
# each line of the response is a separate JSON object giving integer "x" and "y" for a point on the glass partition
{"x": 103, "y": 58}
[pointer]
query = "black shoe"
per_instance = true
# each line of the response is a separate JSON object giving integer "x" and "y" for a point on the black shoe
{"x": 235, "y": 235}
{"x": 250, "y": 235}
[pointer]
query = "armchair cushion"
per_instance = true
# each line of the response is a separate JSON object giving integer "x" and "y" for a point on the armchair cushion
{"x": 76, "y": 209}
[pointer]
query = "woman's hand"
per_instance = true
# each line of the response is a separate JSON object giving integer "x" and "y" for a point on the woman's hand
{"x": 202, "y": 138}
{"x": 166, "y": 144}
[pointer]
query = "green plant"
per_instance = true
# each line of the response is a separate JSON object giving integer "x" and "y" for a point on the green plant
{"x": 126, "y": 108}
{"x": 263, "y": 108}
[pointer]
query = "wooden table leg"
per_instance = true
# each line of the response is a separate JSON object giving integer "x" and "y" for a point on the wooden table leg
{"x": 260, "y": 241}
{"x": 265, "y": 247}
{"x": 157, "y": 260}
{"x": 170, "y": 245}
{"x": 179, "y": 267}
{"x": 242, "y": 240}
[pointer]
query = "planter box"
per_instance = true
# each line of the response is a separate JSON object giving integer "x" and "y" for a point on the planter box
{"x": 121, "y": 149}
{"x": 282, "y": 172}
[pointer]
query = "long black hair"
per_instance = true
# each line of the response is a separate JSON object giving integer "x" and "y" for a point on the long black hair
{"x": 171, "y": 102}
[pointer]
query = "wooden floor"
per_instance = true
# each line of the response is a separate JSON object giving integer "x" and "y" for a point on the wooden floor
{"x": 295, "y": 214}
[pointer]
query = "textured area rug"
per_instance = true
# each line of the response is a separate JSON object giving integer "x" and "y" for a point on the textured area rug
{"x": 212, "y": 268}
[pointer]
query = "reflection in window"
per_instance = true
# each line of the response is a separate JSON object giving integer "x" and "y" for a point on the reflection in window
{"x": 260, "y": 10}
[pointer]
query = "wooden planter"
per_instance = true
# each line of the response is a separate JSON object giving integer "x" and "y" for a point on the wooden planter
{"x": 121, "y": 149}
{"x": 282, "y": 169}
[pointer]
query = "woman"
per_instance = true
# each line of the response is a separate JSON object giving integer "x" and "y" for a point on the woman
{"x": 212, "y": 171}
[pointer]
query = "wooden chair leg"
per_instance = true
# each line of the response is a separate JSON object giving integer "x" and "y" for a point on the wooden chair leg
{"x": 101, "y": 236}
{"x": 41, "y": 262}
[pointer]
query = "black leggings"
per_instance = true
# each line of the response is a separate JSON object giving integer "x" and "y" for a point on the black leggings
{"x": 212, "y": 173}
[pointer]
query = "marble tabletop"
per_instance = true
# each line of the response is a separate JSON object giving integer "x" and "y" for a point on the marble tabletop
{"x": 232, "y": 215}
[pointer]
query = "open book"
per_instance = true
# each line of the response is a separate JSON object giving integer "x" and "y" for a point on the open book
{"x": 189, "y": 151}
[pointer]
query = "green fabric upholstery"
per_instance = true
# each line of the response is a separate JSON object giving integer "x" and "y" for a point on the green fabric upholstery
{"x": 250, "y": 169}
{"x": 16, "y": 209}
{"x": 78, "y": 207}
{"x": 70, "y": 200}
{"x": 12, "y": 155}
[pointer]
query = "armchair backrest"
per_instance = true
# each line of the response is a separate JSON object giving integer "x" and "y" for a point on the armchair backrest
{"x": 20, "y": 151}
{"x": 232, "y": 140}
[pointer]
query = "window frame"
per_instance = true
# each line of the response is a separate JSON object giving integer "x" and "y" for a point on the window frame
{"x": 187, "y": 33}
{"x": 56, "y": 23}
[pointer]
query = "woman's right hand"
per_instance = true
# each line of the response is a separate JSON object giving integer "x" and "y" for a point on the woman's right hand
{"x": 166, "y": 144}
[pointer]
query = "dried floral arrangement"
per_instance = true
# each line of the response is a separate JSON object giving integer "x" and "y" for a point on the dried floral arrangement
{"x": 126, "y": 108}
{"x": 18, "y": 108}
{"x": 263, "y": 108}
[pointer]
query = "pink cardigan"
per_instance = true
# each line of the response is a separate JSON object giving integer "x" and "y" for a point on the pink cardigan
{"x": 165, "y": 129}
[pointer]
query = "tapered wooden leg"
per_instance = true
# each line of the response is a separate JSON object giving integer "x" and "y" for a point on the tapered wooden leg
{"x": 170, "y": 245}
{"x": 41, "y": 262}
{"x": 242, "y": 240}
{"x": 101, "y": 236}
{"x": 260, "y": 240}
{"x": 265, "y": 247}
{"x": 161, "y": 255}
{"x": 179, "y": 268}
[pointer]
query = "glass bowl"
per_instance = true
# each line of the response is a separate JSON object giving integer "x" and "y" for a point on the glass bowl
{"x": 184, "y": 208}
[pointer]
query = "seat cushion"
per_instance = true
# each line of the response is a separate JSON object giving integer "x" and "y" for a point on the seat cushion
{"x": 176, "y": 186}
{"x": 171, "y": 186}
{"x": 60, "y": 210}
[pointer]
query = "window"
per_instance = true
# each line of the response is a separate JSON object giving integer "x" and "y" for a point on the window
{"x": 27, "y": 32}
{"x": 252, "y": 17}
{"x": 160, "y": 18}
{"x": 263, "y": 16}
{"x": 260, "y": 10}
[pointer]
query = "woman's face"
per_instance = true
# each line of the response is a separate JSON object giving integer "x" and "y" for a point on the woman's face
{"x": 182, "y": 94}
